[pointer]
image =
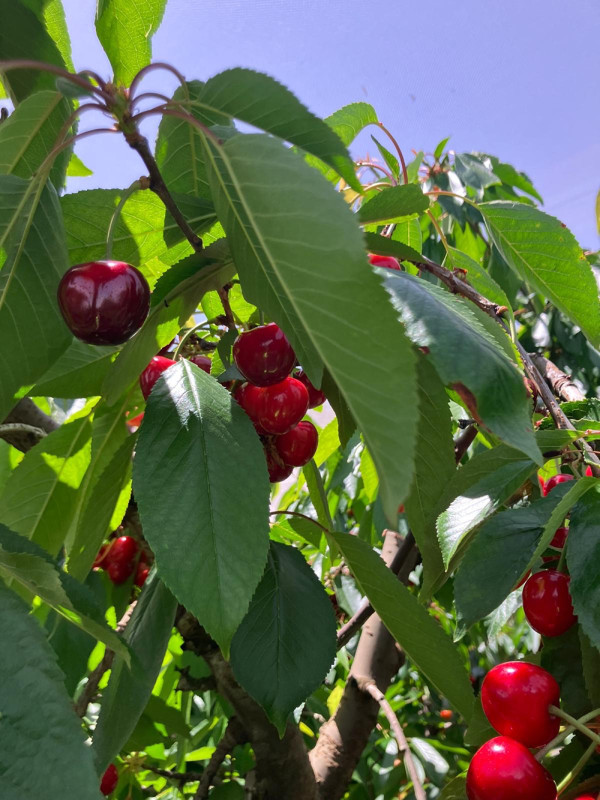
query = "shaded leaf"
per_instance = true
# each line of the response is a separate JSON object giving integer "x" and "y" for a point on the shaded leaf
{"x": 393, "y": 203}
{"x": 583, "y": 552}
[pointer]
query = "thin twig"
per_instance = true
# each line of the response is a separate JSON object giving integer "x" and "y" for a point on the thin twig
{"x": 223, "y": 293}
{"x": 234, "y": 734}
{"x": 298, "y": 514}
{"x": 561, "y": 383}
{"x": 179, "y": 777}
{"x": 10, "y": 428}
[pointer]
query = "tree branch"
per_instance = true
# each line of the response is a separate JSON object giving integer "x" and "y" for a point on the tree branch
{"x": 234, "y": 734}
{"x": 559, "y": 381}
{"x": 26, "y": 425}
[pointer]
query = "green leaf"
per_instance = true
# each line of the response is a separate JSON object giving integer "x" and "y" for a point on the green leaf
{"x": 350, "y": 120}
{"x": 590, "y": 661}
{"x": 456, "y": 789}
{"x": 478, "y": 277}
{"x": 329, "y": 441}
{"x": 419, "y": 635}
{"x": 542, "y": 251}
{"x": 79, "y": 372}
{"x": 32, "y": 331}
{"x": 561, "y": 656}
{"x": 346, "y": 424}
{"x": 125, "y": 29}
{"x": 509, "y": 175}
{"x": 59, "y": 765}
{"x": 198, "y": 443}
{"x": 76, "y": 168}
{"x": 583, "y": 551}
{"x": 437, "y": 153}
{"x": 393, "y": 203}
{"x": 300, "y": 258}
{"x": 390, "y": 160}
{"x": 285, "y": 644}
{"x": 473, "y": 172}
{"x": 447, "y": 326}
{"x": 129, "y": 689}
{"x": 391, "y": 247}
{"x": 408, "y": 232}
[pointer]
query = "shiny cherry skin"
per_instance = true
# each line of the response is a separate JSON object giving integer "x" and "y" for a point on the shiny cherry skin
{"x": 315, "y": 396}
{"x": 560, "y": 537}
{"x": 552, "y": 482}
{"x": 122, "y": 549}
{"x": 109, "y": 780}
{"x": 247, "y": 395}
{"x": 278, "y": 471}
{"x": 282, "y": 405}
{"x": 201, "y": 361}
{"x": 141, "y": 573}
{"x": 384, "y": 261}
{"x": 153, "y": 372}
{"x": 298, "y": 446}
{"x": 547, "y": 603}
{"x": 504, "y": 769}
{"x": 120, "y": 571}
{"x": 263, "y": 355}
{"x": 104, "y": 302}
{"x": 515, "y": 697}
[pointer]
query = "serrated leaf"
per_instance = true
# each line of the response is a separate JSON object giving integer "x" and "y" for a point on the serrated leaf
{"x": 285, "y": 644}
{"x": 391, "y": 247}
{"x": 408, "y": 232}
{"x": 300, "y": 258}
{"x": 419, "y": 635}
{"x": 583, "y": 551}
{"x": 509, "y": 175}
{"x": 78, "y": 372}
{"x": 473, "y": 172}
{"x": 198, "y": 443}
{"x": 350, "y": 120}
{"x": 545, "y": 253}
{"x": 393, "y": 203}
{"x": 60, "y": 765}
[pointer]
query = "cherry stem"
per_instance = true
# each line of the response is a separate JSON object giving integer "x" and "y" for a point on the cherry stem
{"x": 577, "y": 724}
{"x": 110, "y": 234}
{"x": 562, "y": 561}
{"x": 298, "y": 514}
{"x": 398, "y": 150}
{"x": 558, "y": 739}
{"x": 148, "y": 96}
{"x": 59, "y": 148}
{"x": 438, "y": 228}
{"x": 151, "y": 68}
{"x": 374, "y": 166}
{"x": 24, "y": 63}
{"x": 570, "y": 776}
{"x": 207, "y": 323}
{"x": 453, "y": 194}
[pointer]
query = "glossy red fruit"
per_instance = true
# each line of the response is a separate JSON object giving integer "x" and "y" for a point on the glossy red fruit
{"x": 109, "y": 780}
{"x": 446, "y": 713}
{"x": 263, "y": 355}
{"x": 515, "y": 697}
{"x": 298, "y": 446}
{"x": 277, "y": 470}
{"x": 134, "y": 423}
{"x": 587, "y": 797}
{"x": 588, "y": 472}
{"x": 142, "y": 573}
{"x": 547, "y": 603}
{"x": 123, "y": 549}
{"x": 201, "y": 361}
{"x": 104, "y": 302}
{"x": 384, "y": 261}
{"x": 315, "y": 396}
{"x": 552, "y": 482}
{"x": 282, "y": 405}
{"x": 560, "y": 537}
{"x": 523, "y": 579}
{"x": 248, "y": 395}
{"x": 120, "y": 571}
{"x": 99, "y": 560}
{"x": 504, "y": 769}
{"x": 153, "y": 372}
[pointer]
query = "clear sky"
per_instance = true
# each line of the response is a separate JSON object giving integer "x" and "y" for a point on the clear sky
{"x": 515, "y": 78}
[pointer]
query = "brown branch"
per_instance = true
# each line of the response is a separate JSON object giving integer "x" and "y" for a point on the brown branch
{"x": 234, "y": 734}
{"x": 463, "y": 442}
{"x": 369, "y": 686}
{"x": 559, "y": 381}
{"x": 179, "y": 777}
{"x": 26, "y": 415}
{"x": 187, "y": 683}
{"x": 223, "y": 293}
{"x": 458, "y": 286}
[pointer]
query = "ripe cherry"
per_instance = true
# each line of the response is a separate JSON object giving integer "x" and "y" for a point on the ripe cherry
{"x": 201, "y": 361}
{"x": 247, "y": 395}
{"x": 552, "y": 482}
{"x": 109, "y": 780}
{"x": 104, "y": 302}
{"x": 504, "y": 769}
{"x": 153, "y": 372}
{"x": 277, "y": 470}
{"x": 547, "y": 603}
{"x": 263, "y": 355}
{"x": 560, "y": 537}
{"x": 99, "y": 560}
{"x": 446, "y": 713}
{"x": 315, "y": 396}
{"x": 298, "y": 446}
{"x": 515, "y": 697}
{"x": 134, "y": 422}
{"x": 120, "y": 571}
{"x": 123, "y": 549}
{"x": 282, "y": 405}
{"x": 384, "y": 261}
{"x": 141, "y": 573}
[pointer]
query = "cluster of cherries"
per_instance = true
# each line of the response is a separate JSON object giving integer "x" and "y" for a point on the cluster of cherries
{"x": 121, "y": 558}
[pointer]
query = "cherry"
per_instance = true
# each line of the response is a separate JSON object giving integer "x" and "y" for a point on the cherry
{"x": 120, "y": 571}
{"x": 142, "y": 573}
{"x": 134, "y": 423}
{"x": 282, "y": 405}
{"x": 104, "y": 302}
{"x": 560, "y": 537}
{"x": 277, "y": 470}
{"x": 547, "y": 603}
{"x": 99, "y": 560}
{"x": 123, "y": 549}
{"x": 552, "y": 482}
{"x": 515, "y": 697}
{"x": 298, "y": 446}
{"x": 588, "y": 472}
{"x": 446, "y": 713}
{"x": 153, "y": 372}
{"x": 504, "y": 769}
{"x": 263, "y": 355}
{"x": 201, "y": 361}
{"x": 109, "y": 780}
{"x": 248, "y": 395}
{"x": 384, "y": 261}
{"x": 315, "y": 396}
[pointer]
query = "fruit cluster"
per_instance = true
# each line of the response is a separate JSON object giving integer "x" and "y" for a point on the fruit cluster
{"x": 120, "y": 558}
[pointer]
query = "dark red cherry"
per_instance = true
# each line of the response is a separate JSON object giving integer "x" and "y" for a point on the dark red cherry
{"x": 122, "y": 549}
{"x": 547, "y": 603}
{"x": 120, "y": 571}
{"x": 100, "y": 557}
{"x": 263, "y": 355}
{"x": 141, "y": 573}
{"x": 384, "y": 261}
{"x": 282, "y": 405}
{"x": 248, "y": 395}
{"x": 278, "y": 471}
{"x": 504, "y": 769}
{"x": 552, "y": 482}
{"x": 109, "y": 780}
{"x": 298, "y": 446}
{"x": 315, "y": 396}
{"x": 153, "y": 372}
{"x": 104, "y": 302}
{"x": 560, "y": 537}
{"x": 201, "y": 361}
{"x": 515, "y": 697}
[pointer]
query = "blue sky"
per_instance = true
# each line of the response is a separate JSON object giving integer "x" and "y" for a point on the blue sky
{"x": 514, "y": 78}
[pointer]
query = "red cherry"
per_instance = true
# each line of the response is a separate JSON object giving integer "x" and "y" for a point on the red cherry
{"x": 298, "y": 446}
{"x": 123, "y": 549}
{"x": 109, "y": 780}
{"x": 504, "y": 769}
{"x": 554, "y": 481}
{"x": 201, "y": 361}
{"x": 515, "y": 697}
{"x": 588, "y": 472}
{"x": 315, "y": 396}
{"x": 142, "y": 573}
{"x": 277, "y": 470}
{"x": 282, "y": 405}
{"x": 547, "y": 603}
{"x": 153, "y": 372}
{"x": 120, "y": 571}
{"x": 560, "y": 537}
{"x": 134, "y": 423}
{"x": 384, "y": 261}
{"x": 248, "y": 395}
{"x": 263, "y": 355}
{"x": 99, "y": 560}
{"x": 446, "y": 713}
{"x": 587, "y": 797}
{"x": 104, "y": 302}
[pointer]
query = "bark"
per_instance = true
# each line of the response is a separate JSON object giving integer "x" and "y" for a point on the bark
{"x": 560, "y": 383}
{"x": 27, "y": 413}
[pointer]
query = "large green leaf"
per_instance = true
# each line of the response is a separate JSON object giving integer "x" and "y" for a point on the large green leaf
{"x": 43, "y": 754}
{"x": 285, "y": 644}
{"x": 473, "y": 172}
{"x": 79, "y": 372}
{"x": 477, "y": 276}
{"x": 394, "y": 203}
{"x": 583, "y": 552}
{"x": 300, "y": 257}
{"x": 129, "y": 688}
{"x": 545, "y": 253}
{"x": 32, "y": 331}
{"x": 197, "y": 445}
{"x": 465, "y": 352}
{"x": 125, "y": 29}
{"x": 391, "y": 247}
{"x": 419, "y": 635}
